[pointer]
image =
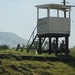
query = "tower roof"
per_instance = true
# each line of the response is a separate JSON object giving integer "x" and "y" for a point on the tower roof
{"x": 53, "y": 6}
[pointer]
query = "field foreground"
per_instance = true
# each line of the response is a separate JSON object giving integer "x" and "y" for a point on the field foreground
{"x": 12, "y": 66}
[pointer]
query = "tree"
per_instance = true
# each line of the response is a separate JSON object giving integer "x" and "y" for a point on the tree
{"x": 4, "y": 47}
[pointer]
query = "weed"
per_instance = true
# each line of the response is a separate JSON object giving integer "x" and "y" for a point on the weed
{"x": 44, "y": 72}
{"x": 0, "y": 61}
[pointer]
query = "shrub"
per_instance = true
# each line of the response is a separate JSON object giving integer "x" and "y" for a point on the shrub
{"x": 4, "y": 47}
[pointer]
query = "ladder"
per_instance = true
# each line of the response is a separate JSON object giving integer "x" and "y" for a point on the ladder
{"x": 33, "y": 42}
{"x": 31, "y": 39}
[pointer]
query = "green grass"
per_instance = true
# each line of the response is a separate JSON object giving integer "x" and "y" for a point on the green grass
{"x": 26, "y": 67}
{"x": 72, "y": 52}
{"x": 10, "y": 66}
{"x": 31, "y": 53}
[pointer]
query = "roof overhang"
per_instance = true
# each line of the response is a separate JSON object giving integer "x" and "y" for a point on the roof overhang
{"x": 53, "y": 6}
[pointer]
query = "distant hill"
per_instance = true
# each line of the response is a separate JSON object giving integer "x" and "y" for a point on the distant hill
{"x": 11, "y": 39}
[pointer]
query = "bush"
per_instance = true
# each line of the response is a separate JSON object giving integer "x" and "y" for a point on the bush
{"x": 4, "y": 47}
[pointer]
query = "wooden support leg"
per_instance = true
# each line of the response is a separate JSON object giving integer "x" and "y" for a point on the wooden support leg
{"x": 39, "y": 50}
{"x": 57, "y": 42}
{"x": 67, "y": 44}
{"x": 49, "y": 44}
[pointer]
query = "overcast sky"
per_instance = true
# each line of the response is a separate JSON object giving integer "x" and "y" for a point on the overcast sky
{"x": 19, "y": 16}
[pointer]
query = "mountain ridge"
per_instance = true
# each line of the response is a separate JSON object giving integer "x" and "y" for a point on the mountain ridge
{"x": 11, "y": 39}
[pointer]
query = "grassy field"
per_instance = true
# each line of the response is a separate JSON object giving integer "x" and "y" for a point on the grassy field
{"x": 10, "y": 66}
{"x": 72, "y": 52}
